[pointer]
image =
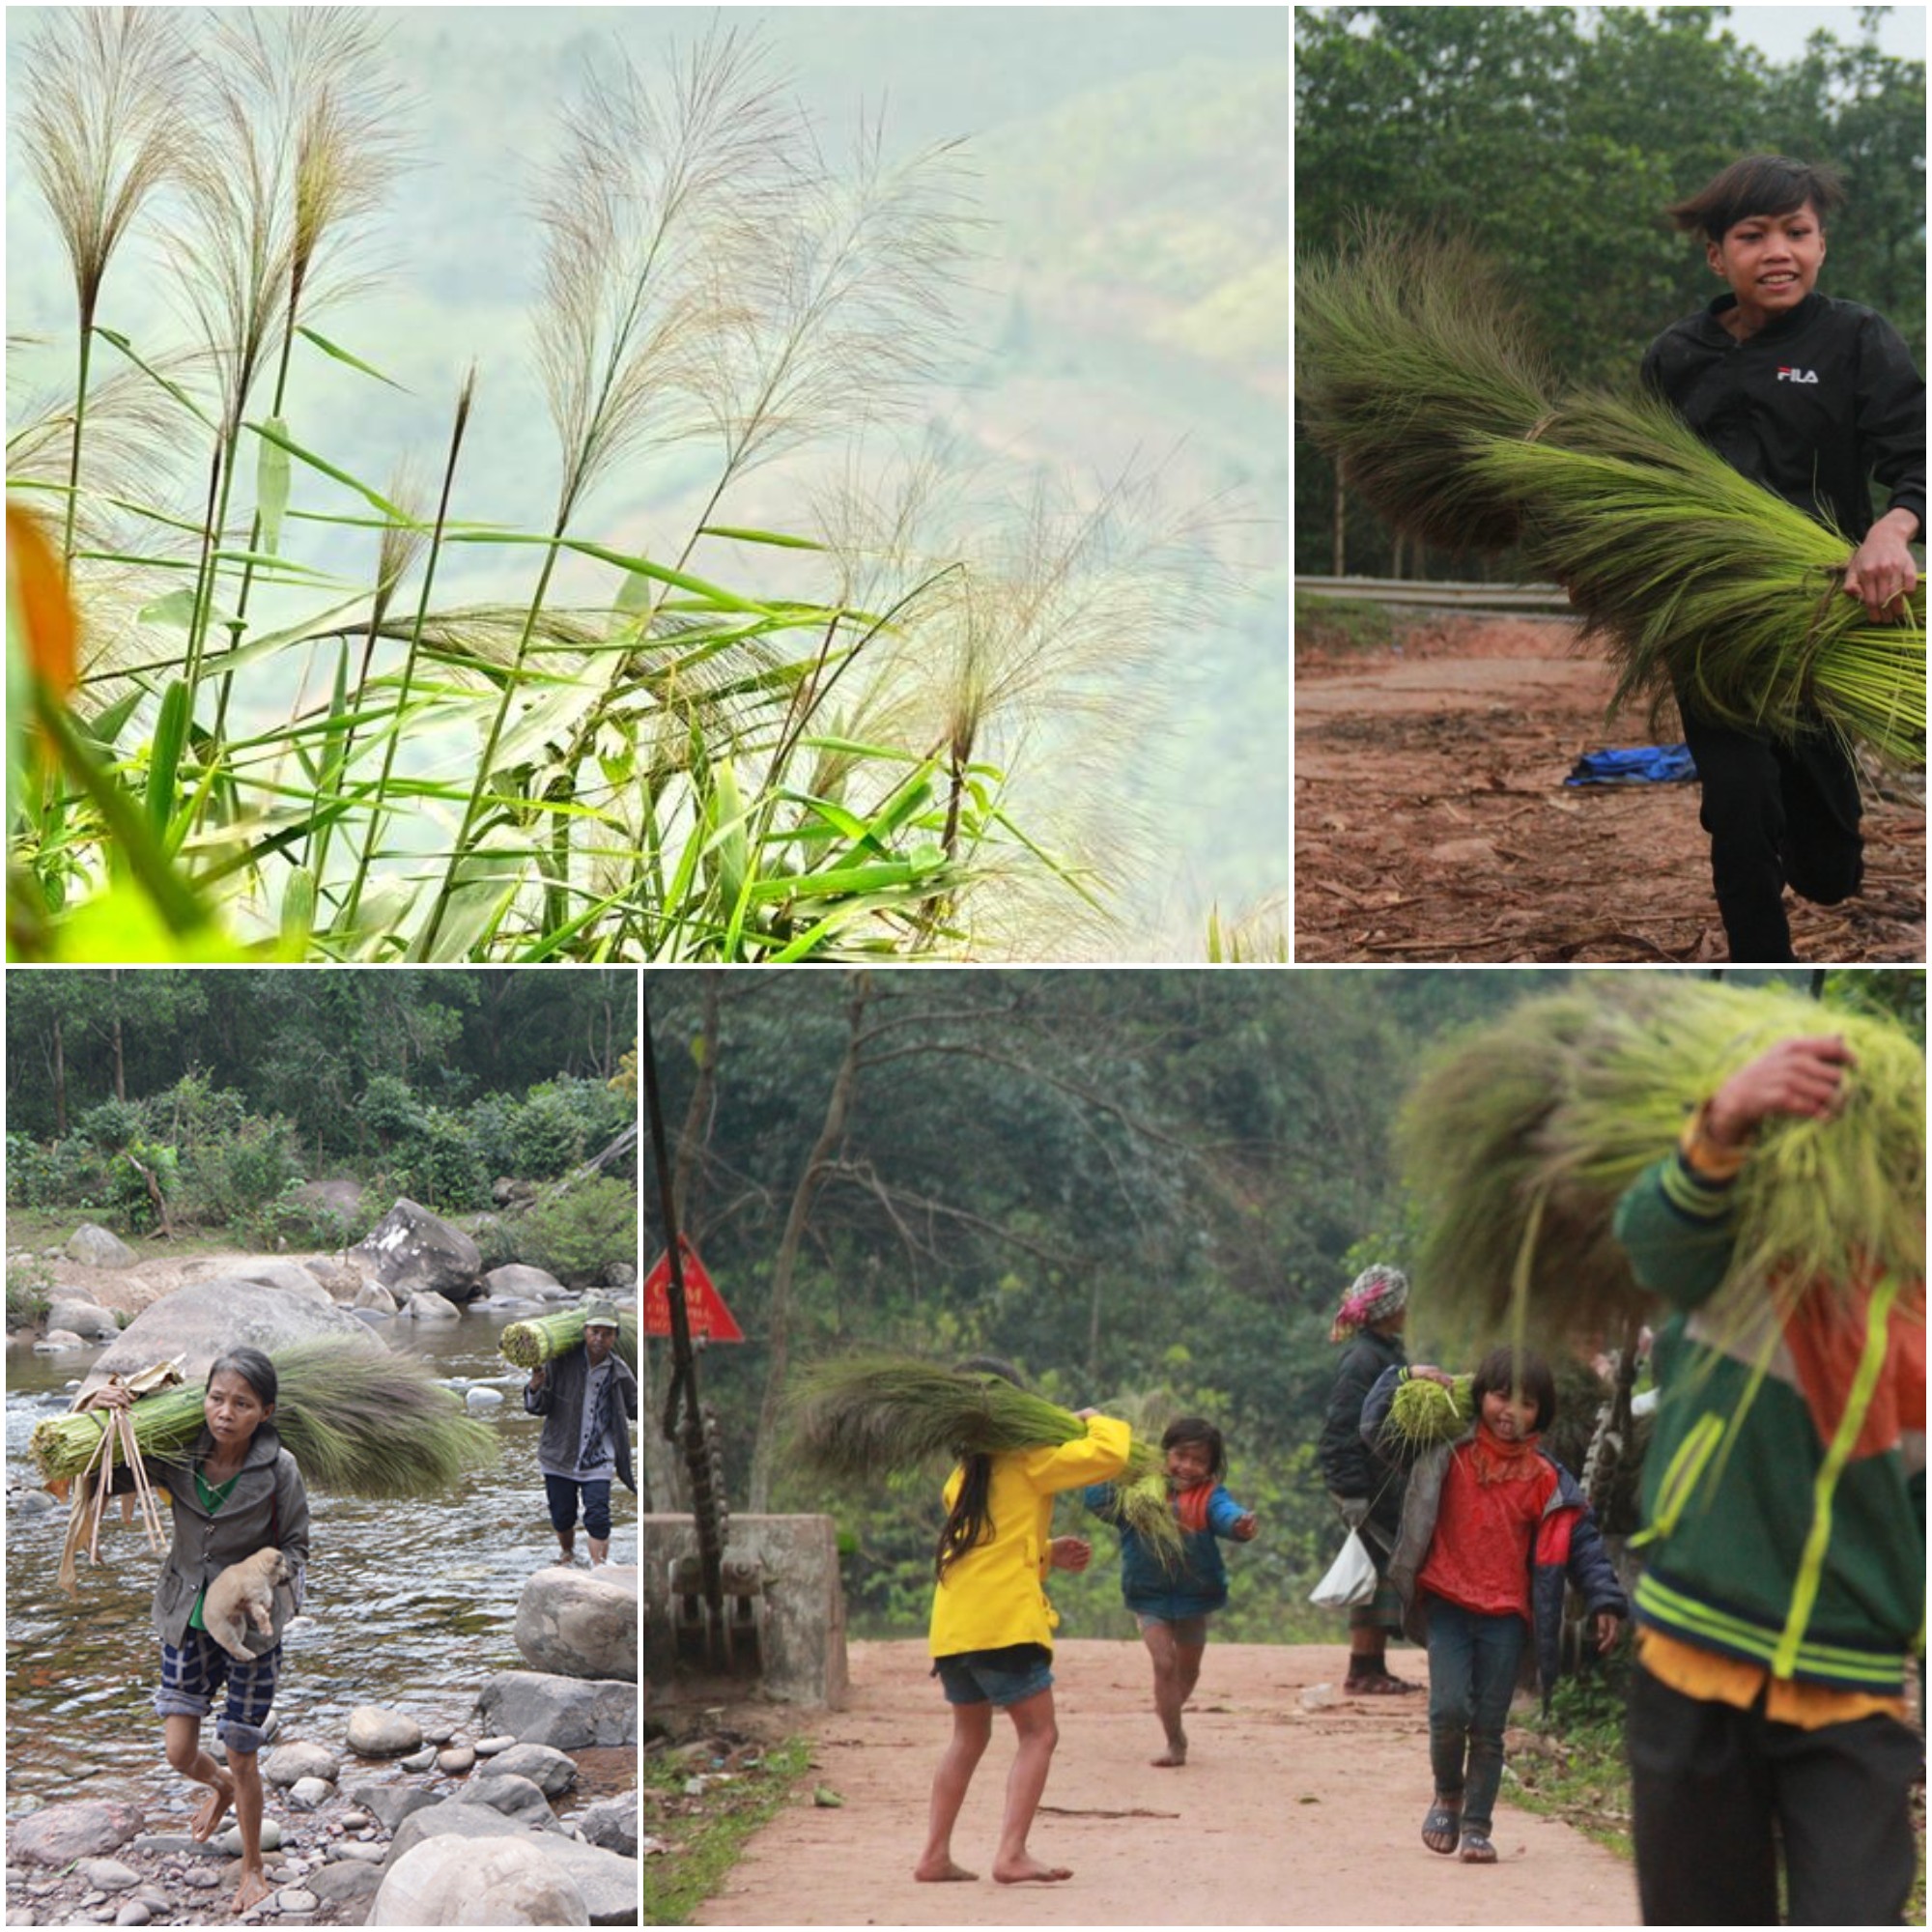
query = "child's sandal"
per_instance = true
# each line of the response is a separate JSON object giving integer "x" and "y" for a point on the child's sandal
{"x": 1442, "y": 1823}
{"x": 1477, "y": 1849}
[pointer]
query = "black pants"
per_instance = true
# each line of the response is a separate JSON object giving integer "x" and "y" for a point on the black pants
{"x": 1777, "y": 814}
{"x": 1713, "y": 1790}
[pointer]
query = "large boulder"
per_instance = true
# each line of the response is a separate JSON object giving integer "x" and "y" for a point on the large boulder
{"x": 499, "y": 1881}
{"x": 519, "y": 1798}
{"x": 581, "y": 1622}
{"x": 338, "y": 1197}
{"x": 552, "y": 1772}
{"x": 343, "y": 1283}
{"x": 516, "y": 1281}
{"x": 411, "y": 1250}
{"x": 60, "y": 1834}
{"x": 96, "y": 1248}
{"x": 566, "y": 1712}
{"x": 201, "y": 1320}
{"x": 288, "y": 1276}
{"x": 85, "y": 1319}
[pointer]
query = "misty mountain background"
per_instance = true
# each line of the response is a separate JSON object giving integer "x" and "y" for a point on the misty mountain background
{"x": 1129, "y": 312}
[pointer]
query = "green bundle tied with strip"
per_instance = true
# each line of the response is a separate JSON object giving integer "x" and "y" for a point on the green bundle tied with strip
{"x": 862, "y": 1416}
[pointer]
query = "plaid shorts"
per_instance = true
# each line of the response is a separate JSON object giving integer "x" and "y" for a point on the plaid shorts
{"x": 195, "y": 1670}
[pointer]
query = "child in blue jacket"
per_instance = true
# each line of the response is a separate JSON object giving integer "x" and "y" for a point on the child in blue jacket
{"x": 1174, "y": 1606}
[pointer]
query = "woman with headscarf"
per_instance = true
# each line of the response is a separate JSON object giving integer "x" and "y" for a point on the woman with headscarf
{"x": 1366, "y": 1489}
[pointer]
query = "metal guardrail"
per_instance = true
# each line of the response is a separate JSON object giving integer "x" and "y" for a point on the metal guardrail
{"x": 1547, "y": 597}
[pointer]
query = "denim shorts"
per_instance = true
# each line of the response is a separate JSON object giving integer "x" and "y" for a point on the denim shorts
{"x": 196, "y": 1669}
{"x": 1006, "y": 1676}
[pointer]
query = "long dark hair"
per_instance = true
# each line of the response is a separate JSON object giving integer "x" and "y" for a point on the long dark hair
{"x": 252, "y": 1366}
{"x": 970, "y": 1518}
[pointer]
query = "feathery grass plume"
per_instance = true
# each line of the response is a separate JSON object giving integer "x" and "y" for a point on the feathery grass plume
{"x": 360, "y": 1420}
{"x": 1423, "y": 1412}
{"x": 1405, "y": 347}
{"x": 529, "y": 1343}
{"x": 645, "y": 192}
{"x": 877, "y": 1414}
{"x": 1521, "y": 1136}
{"x": 102, "y": 130}
{"x": 1701, "y": 579}
{"x": 830, "y": 309}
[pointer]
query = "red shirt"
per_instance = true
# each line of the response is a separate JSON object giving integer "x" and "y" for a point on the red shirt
{"x": 1479, "y": 1556}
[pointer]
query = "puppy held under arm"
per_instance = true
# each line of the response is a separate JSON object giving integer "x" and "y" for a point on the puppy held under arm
{"x": 242, "y": 1595}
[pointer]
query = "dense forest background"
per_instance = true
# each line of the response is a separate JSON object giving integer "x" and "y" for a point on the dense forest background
{"x": 235, "y": 1089}
{"x": 1125, "y": 1183}
{"x": 1555, "y": 137}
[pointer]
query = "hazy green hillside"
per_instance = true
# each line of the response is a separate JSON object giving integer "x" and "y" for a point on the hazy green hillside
{"x": 1129, "y": 305}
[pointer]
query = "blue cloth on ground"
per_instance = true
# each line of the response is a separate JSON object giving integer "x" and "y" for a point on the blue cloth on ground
{"x": 1639, "y": 764}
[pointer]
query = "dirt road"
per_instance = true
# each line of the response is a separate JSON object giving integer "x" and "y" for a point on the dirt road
{"x": 1292, "y": 1809}
{"x": 1433, "y": 824}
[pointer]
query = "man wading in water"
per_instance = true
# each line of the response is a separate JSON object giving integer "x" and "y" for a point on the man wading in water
{"x": 586, "y": 1397}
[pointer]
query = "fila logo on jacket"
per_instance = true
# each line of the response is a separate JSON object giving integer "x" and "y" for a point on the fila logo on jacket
{"x": 1785, "y": 375}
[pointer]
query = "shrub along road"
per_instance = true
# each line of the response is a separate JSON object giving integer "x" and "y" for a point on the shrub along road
{"x": 1296, "y": 1806}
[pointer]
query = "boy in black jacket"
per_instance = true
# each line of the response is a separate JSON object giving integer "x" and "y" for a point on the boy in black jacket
{"x": 1812, "y": 398}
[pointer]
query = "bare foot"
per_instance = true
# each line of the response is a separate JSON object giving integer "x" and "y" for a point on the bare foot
{"x": 253, "y": 1889}
{"x": 1030, "y": 1872}
{"x": 212, "y": 1806}
{"x": 1174, "y": 1755}
{"x": 943, "y": 1873}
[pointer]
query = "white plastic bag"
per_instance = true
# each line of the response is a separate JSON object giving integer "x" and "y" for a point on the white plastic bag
{"x": 1351, "y": 1577}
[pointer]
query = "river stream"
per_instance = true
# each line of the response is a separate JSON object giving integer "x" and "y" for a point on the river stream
{"x": 410, "y": 1604}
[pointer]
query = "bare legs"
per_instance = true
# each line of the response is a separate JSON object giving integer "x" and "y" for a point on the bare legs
{"x": 1176, "y": 1670}
{"x": 239, "y": 1786}
{"x": 1037, "y": 1734}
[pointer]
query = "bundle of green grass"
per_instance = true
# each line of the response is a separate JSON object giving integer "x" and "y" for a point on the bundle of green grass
{"x": 1521, "y": 1136}
{"x": 1417, "y": 375}
{"x": 529, "y": 1344}
{"x": 358, "y": 1420}
{"x": 858, "y": 1417}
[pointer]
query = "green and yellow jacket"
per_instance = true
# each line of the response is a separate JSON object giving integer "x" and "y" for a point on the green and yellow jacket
{"x": 1731, "y": 1476}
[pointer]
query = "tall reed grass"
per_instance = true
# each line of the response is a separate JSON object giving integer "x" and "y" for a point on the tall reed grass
{"x": 642, "y": 755}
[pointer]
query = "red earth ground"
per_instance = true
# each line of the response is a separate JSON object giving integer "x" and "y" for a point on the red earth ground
{"x": 1296, "y": 1806}
{"x": 1433, "y": 824}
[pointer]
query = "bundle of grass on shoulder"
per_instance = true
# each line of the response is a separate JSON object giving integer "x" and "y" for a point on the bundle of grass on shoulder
{"x": 529, "y": 1344}
{"x": 1425, "y": 1413}
{"x": 1417, "y": 373}
{"x": 359, "y": 1419}
{"x": 1520, "y": 1137}
{"x": 864, "y": 1416}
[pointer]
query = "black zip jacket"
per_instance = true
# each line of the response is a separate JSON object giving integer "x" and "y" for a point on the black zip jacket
{"x": 1812, "y": 406}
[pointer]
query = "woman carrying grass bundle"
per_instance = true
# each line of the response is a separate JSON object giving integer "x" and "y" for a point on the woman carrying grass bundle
{"x": 992, "y": 1627}
{"x": 1812, "y": 398}
{"x": 1783, "y": 1595}
{"x": 1493, "y": 1528}
{"x": 1365, "y": 1487}
{"x": 1174, "y": 1604}
{"x": 236, "y": 1493}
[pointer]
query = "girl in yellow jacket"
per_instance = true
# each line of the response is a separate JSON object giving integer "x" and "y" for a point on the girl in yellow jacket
{"x": 992, "y": 1626}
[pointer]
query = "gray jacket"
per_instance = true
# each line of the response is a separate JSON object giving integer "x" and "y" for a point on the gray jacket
{"x": 268, "y": 1505}
{"x": 560, "y": 1404}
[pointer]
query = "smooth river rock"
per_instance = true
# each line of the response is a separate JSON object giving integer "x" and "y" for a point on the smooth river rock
{"x": 374, "y": 1732}
{"x": 581, "y": 1622}
{"x": 497, "y": 1881}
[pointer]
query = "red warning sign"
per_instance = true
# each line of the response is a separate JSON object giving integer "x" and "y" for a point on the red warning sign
{"x": 704, "y": 1306}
